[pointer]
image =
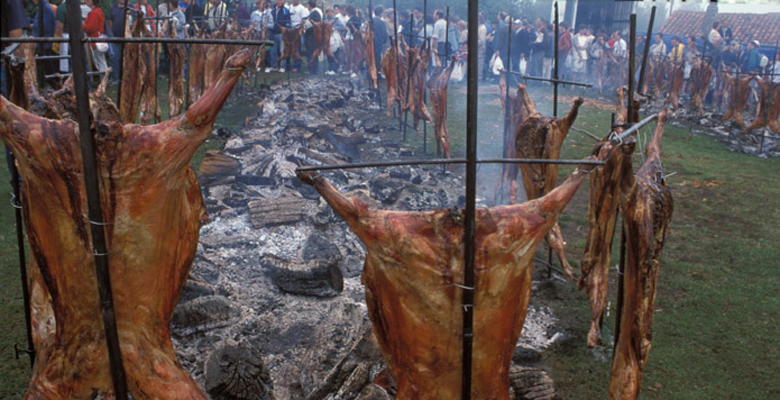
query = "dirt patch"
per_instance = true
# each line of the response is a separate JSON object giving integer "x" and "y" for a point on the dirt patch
{"x": 589, "y": 102}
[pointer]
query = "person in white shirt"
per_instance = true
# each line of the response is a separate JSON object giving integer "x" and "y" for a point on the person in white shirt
{"x": 581, "y": 43}
{"x": 439, "y": 37}
{"x": 298, "y": 12}
{"x": 658, "y": 49}
{"x": 776, "y": 69}
{"x": 256, "y": 18}
{"x": 619, "y": 48}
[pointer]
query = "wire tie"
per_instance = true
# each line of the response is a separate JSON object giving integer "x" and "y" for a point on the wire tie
{"x": 15, "y": 202}
{"x": 99, "y": 223}
{"x": 463, "y": 286}
{"x": 96, "y": 254}
{"x": 468, "y": 335}
{"x": 467, "y": 306}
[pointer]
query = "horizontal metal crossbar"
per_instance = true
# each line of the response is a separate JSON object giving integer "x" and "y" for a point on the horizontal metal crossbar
{"x": 536, "y": 78}
{"x": 447, "y": 161}
{"x": 139, "y": 40}
{"x": 65, "y": 75}
{"x": 639, "y": 125}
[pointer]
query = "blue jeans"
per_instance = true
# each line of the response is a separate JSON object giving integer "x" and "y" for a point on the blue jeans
{"x": 116, "y": 68}
{"x": 274, "y": 52}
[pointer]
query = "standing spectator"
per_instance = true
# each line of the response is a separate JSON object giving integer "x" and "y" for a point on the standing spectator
{"x": 281, "y": 16}
{"x": 521, "y": 42}
{"x": 380, "y": 35}
{"x": 539, "y": 51}
{"x": 595, "y": 53}
{"x": 298, "y": 12}
{"x": 335, "y": 41}
{"x": 752, "y": 62}
{"x": 314, "y": 16}
{"x": 194, "y": 14}
{"x": 677, "y": 51}
{"x": 502, "y": 36}
{"x": 12, "y": 21}
{"x": 216, "y": 13}
{"x": 564, "y": 50}
{"x": 117, "y": 16}
{"x": 47, "y": 30}
{"x": 93, "y": 27}
{"x": 61, "y": 30}
{"x": 439, "y": 37}
{"x": 776, "y": 69}
{"x": 581, "y": 43}
{"x": 619, "y": 46}
{"x": 730, "y": 55}
{"x": 547, "y": 44}
{"x": 714, "y": 40}
{"x": 178, "y": 19}
{"x": 658, "y": 49}
{"x": 481, "y": 41}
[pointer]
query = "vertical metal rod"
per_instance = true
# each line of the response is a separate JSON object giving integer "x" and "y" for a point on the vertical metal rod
{"x": 397, "y": 61}
{"x": 621, "y": 266}
{"x": 95, "y": 212}
{"x": 631, "y": 69}
{"x": 39, "y": 50}
{"x": 447, "y": 39}
{"x": 507, "y": 116}
{"x": 156, "y": 59}
{"x": 15, "y": 187}
{"x": 121, "y": 58}
{"x": 469, "y": 231}
{"x": 409, "y": 73}
{"x": 555, "y": 64}
{"x": 646, "y": 51}
{"x": 425, "y": 92}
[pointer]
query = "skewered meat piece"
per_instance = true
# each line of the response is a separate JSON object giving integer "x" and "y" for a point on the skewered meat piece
{"x": 414, "y": 264}
{"x": 197, "y": 71}
{"x": 739, "y": 91}
{"x": 517, "y": 114}
{"x": 701, "y": 75}
{"x": 134, "y": 75}
{"x": 149, "y": 192}
{"x": 677, "y": 79}
{"x": 647, "y": 206}
{"x": 175, "y": 75}
{"x": 437, "y": 86}
{"x": 389, "y": 68}
{"x": 415, "y": 100}
{"x": 540, "y": 136}
{"x": 368, "y": 37}
{"x": 23, "y": 83}
{"x": 768, "y": 106}
{"x": 215, "y": 58}
{"x": 323, "y": 31}
{"x": 356, "y": 51}
{"x": 291, "y": 38}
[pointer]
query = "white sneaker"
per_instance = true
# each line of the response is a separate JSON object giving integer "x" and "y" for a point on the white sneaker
{"x": 330, "y": 72}
{"x": 353, "y": 76}
{"x": 268, "y": 70}
{"x": 282, "y": 70}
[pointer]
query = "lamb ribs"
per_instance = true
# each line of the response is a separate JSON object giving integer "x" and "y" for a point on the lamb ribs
{"x": 646, "y": 204}
{"x": 414, "y": 264}
{"x": 149, "y": 192}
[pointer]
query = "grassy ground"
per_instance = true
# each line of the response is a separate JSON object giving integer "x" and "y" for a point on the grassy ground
{"x": 715, "y": 330}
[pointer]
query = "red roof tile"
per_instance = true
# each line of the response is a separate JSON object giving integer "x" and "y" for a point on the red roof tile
{"x": 763, "y": 27}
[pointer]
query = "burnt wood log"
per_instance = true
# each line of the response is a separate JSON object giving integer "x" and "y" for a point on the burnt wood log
{"x": 149, "y": 194}
{"x": 317, "y": 278}
{"x": 278, "y": 211}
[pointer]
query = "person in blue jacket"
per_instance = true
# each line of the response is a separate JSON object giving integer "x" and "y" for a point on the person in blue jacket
{"x": 281, "y": 17}
{"x": 753, "y": 59}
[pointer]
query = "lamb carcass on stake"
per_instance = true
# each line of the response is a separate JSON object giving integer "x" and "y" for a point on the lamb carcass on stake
{"x": 368, "y": 37}
{"x": 701, "y": 76}
{"x": 646, "y": 204}
{"x": 197, "y": 69}
{"x": 153, "y": 208}
{"x": 539, "y": 136}
{"x": 175, "y": 74}
{"x": 739, "y": 91}
{"x": 414, "y": 264}
{"x": 768, "y": 106}
{"x": 390, "y": 69}
{"x": 677, "y": 77}
{"x": 437, "y": 87}
{"x": 602, "y": 217}
{"x": 415, "y": 95}
{"x": 135, "y": 70}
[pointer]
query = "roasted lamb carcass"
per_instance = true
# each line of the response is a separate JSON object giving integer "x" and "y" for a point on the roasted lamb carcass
{"x": 677, "y": 77}
{"x": 768, "y": 106}
{"x": 175, "y": 76}
{"x": 215, "y": 58}
{"x": 415, "y": 98}
{"x": 542, "y": 137}
{"x": 390, "y": 69}
{"x": 646, "y": 205}
{"x": 134, "y": 73}
{"x": 517, "y": 114}
{"x": 149, "y": 193}
{"x": 739, "y": 91}
{"x": 373, "y": 74}
{"x": 197, "y": 59}
{"x": 701, "y": 76}
{"x": 437, "y": 86}
{"x": 413, "y": 269}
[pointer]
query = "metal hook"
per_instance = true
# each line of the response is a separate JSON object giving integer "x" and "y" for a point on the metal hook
{"x": 462, "y": 286}
{"x": 15, "y": 202}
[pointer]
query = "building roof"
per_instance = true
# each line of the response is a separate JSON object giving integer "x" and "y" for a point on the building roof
{"x": 762, "y": 27}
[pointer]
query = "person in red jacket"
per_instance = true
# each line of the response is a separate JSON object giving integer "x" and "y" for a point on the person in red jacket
{"x": 564, "y": 48}
{"x": 93, "y": 27}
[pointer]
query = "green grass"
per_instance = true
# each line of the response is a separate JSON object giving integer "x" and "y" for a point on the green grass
{"x": 715, "y": 329}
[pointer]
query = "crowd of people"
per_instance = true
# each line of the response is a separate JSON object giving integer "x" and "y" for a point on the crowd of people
{"x": 587, "y": 54}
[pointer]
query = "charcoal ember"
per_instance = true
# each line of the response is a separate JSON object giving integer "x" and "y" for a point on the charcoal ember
{"x": 318, "y": 247}
{"x": 526, "y": 355}
{"x": 419, "y": 198}
{"x": 285, "y": 209}
{"x": 317, "y": 278}
{"x": 194, "y": 289}
{"x": 530, "y": 383}
{"x": 386, "y": 189}
{"x": 254, "y": 180}
{"x": 307, "y": 191}
{"x": 324, "y": 216}
{"x": 237, "y": 372}
{"x": 203, "y": 313}
{"x": 403, "y": 172}
{"x": 218, "y": 169}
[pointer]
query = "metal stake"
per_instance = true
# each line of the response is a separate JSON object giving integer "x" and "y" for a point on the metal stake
{"x": 408, "y": 75}
{"x": 646, "y": 50}
{"x": 397, "y": 61}
{"x": 631, "y": 68}
{"x": 95, "y": 212}
{"x": 121, "y": 58}
{"x": 555, "y": 66}
{"x": 425, "y": 92}
{"x": 469, "y": 231}
{"x": 507, "y": 116}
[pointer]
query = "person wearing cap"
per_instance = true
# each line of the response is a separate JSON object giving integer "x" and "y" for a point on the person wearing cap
{"x": 753, "y": 60}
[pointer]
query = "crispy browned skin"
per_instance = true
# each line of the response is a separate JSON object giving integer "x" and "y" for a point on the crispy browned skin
{"x": 368, "y": 38}
{"x": 413, "y": 263}
{"x": 768, "y": 106}
{"x": 389, "y": 60}
{"x": 677, "y": 76}
{"x": 739, "y": 91}
{"x": 437, "y": 86}
{"x": 175, "y": 78}
{"x": 134, "y": 74}
{"x": 415, "y": 99}
{"x": 150, "y": 104}
{"x": 153, "y": 206}
{"x": 701, "y": 75}
{"x": 646, "y": 206}
{"x": 540, "y": 136}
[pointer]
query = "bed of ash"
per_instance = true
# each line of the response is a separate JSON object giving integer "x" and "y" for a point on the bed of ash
{"x": 274, "y": 307}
